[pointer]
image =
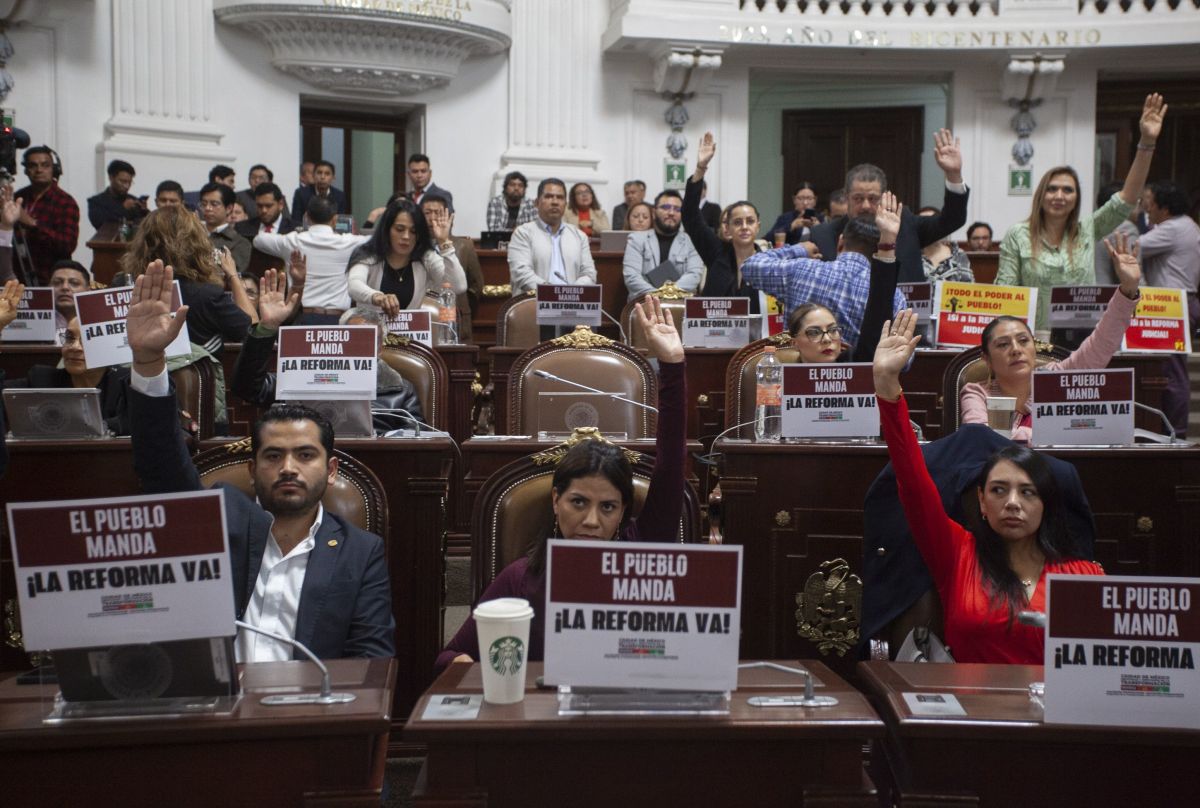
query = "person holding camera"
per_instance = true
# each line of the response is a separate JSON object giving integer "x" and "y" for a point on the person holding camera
{"x": 49, "y": 223}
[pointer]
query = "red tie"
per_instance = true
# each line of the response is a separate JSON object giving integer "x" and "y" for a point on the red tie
{"x": 267, "y": 228}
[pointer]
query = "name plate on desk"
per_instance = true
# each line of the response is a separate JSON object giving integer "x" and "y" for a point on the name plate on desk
{"x": 416, "y": 324}
{"x": 93, "y": 572}
{"x": 102, "y": 322}
{"x": 1083, "y": 407}
{"x": 327, "y": 362}
{"x": 35, "y": 317}
{"x": 1078, "y": 306}
{"x": 576, "y": 304}
{"x": 1122, "y": 650}
{"x": 833, "y": 400}
{"x": 1160, "y": 323}
{"x": 663, "y": 616}
{"x": 716, "y": 322}
{"x": 963, "y": 310}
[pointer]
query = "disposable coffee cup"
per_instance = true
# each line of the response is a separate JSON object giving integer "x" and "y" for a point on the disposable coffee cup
{"x": 1000, "y": 413}
{"x": 780, "y": 239}
{"x": 502, "y": 626}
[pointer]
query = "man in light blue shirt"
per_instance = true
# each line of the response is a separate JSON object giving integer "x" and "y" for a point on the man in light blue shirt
{"x": 549, "y": 250}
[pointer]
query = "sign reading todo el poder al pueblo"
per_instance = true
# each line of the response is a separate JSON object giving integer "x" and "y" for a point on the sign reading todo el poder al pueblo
{"x": 327, "y": 362}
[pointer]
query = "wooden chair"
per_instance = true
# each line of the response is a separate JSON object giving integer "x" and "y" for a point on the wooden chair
{"x": 672, "y": 298}
{"x": 512, "y": 510}
{"x": 590, "y": 359}
{"x": 969, "y": 367}
{"x": 357, "y": 495}
{"x": 516, "y": 321}
{"x": 427, "y": 372}
{"x": 740, "y": 384}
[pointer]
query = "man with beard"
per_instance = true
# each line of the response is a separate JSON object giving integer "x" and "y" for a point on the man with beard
{"x": 665, "y": 253}
{"x": 510, "y": 210}
{"x": 298, "y": 570}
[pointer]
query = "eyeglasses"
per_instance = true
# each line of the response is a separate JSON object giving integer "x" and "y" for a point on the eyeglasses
{"x": 670, "y": 208}
{"x": 210, "y": 203}
{"x": 815, "y": 334}
{"x": 858, "y": 199}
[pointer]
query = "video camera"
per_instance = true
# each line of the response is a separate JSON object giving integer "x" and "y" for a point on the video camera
{"x": 11, "y": 139}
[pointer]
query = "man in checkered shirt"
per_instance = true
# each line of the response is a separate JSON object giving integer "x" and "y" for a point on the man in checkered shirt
{"x": 510, "y": 210}
{"x": 50, "y": 216}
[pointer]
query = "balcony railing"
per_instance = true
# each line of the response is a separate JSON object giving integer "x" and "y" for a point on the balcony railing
{"x": 950, "y": 8}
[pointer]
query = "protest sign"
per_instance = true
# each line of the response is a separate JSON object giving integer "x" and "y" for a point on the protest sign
{"x": 35, "y": 317}
{"x": 416, "y": 324}
{"x": 716, "y": 322}
{"x": 122, "y": 570}
{"x": 568, "y": 305}
{"x": 327, "y": 362}
{"x": 1159, "y": 323}
{"x": 102, "y": 323}
{"x": 1090, "y": 407}
{"x": 963, "y": 310}
{"x": 1078, "y": 306}
{"x": 642, "y": 615}
{"x": 829, "y": 400}
{"x": 920, "y": 299}
{"x": 1122, "y": 650}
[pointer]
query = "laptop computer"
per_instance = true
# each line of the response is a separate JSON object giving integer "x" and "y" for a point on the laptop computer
{"x": 614, "y": 240}
{"x": 46, "y": 413}
{"x": 490, "y": 239}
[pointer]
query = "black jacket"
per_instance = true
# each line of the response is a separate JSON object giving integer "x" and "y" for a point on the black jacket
{"x": 305, "y": 193}
{"x": 722, "y": 277}
{"x": 249, "y": 228}
{"x": 255, "y": 384}
{"x": 213, "y": 317}
{"x": 915, "y": 232}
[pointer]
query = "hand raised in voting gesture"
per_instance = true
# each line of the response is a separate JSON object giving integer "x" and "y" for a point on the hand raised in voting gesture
{"x": 887, "y": 217}
{"x": 1125, "y": 263}
{"x": 1153, "y": 112}
{"x": 150, "y": 327}
{"x": 658, "y": 328}
{"x": 706, "y": 150}
{"x": 9, "y": 299}
{"x": 274, "y": 305}
{"x": 892, "y": 353}
{"x": 947, "y": 152}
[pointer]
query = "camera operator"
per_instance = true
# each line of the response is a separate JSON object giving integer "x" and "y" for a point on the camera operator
{"x": 49, "y": 223}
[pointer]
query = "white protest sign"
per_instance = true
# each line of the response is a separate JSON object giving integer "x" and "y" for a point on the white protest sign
{"x": 832, "y": 400}
{"x": 568, "y": 305}
{"x": 716, "y": 322}
{"x": 1089, "y": 407}
{"x": 102, "y": 322}
{"x": 327, "y": 362}
{"x": 920, "y": 299}
{"x": 1078, "y": 306}
{"x": 1122, "y": 650}
{"x": 643, "y": 615}
{"x": 35, "y": 317}
{"x": 416, "y": 324}
{"x": 123, "y": 570}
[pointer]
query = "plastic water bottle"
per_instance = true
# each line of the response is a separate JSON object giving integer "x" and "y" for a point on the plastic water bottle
{"x": 769, "y": 397}
{"x": 448, "y": 313}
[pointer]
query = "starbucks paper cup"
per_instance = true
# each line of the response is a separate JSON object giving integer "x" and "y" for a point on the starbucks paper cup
{"x": 502, "y": 626}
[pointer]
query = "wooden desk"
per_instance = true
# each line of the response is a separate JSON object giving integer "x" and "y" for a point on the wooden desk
{"x": 526, "y": 755}
{"x": 415, "y": 477}
{"x": 107, "y": 249}
{"x": 300, "y": 755}
{"x": 1002, "y": 754}
{"x": 984, "y": 265}
{"x": 794, "y": 506}
{"x": 461, "y": 361}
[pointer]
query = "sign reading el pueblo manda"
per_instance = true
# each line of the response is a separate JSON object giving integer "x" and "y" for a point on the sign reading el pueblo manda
{"x": 1083, "y": 407}
{"x": 716, "y": 322}
{"x": 102, "y": 316}
{"x": 35, "y": 317}
{"x": 568, "y": 305}
{"x": 829, "y": 400}
{"x": 652, "y": 615}
{"x": 416, "y": 324}
{"x": 327, "y": 362}
{"x": 1078, "y": 306}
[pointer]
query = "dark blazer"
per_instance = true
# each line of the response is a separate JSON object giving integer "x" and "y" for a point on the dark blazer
{"x": 304, "y": 193}
{"x": 894, "y": 573}
{"x": 710, "y": 212}
{"x": 618, "y": 216}
{"x": 249, "y": 228}
{"x": 432, "y": 188}
{"x": 346, "y": 601}
{"x": 213, "y": 318}
{"x": 113, "y": 387}
{"x": 107, "y": 207}
{"x": 784, "y": 225}
{"x": 915, "y": 232}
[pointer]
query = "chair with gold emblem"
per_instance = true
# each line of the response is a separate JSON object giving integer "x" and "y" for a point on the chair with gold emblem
{"x": 967, "y": 367}
{"x": 588, "y": 358}
{"x": 512, "y": 510}
{"x": 516, "y": 321}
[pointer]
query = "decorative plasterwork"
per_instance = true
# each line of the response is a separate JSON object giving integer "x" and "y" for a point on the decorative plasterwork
{"x": 370, "y": 46}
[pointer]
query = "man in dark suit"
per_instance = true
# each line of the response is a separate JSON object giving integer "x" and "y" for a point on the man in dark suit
{"x": 421, "y": 177}
{"x": 323, "y": 176}
{"x": 298, "y": 570}
{"x": 866, "y": 183}
{"x": 271, "y": 213}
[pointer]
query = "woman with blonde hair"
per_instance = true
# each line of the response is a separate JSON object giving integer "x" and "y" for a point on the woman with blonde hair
{"x": 1055, "y": 246}
{"x": 176, "y": 237}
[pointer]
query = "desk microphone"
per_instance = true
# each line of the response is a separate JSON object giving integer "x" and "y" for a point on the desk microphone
{"x": 617, "y": 323}
{"x": 615, "y": 396}
{"x": 400, "y": 411}
{"x": 1162, "y": 415}
{"x": 326, "y": 696}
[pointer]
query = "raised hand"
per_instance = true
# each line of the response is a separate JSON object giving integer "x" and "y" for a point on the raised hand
{"x": 298, "y": 269}
{"x": 887, "y": 217}
{"x": 1153, "y": 112}
{"x": 10, "y": 210}
{"x": 439, "y": 225}
{"x": 228, "y": 265}
{"x": 658, "y": 328}
{"x": 892, "y": 353}
{"x": 9, "y": 299}
{"x": 274, "y": 305}
{"x": 150, "y": 327}
{"x": 706, "y": 150}
{"x": 1125, "y": 262}
{"x": 946, "y": 152}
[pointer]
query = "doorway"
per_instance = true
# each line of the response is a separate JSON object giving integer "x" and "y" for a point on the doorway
{"x": 367, "y": 152}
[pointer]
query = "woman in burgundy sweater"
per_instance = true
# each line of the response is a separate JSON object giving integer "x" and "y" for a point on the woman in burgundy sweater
{"x": 984, "y": 577}
{"x": 592, "y": 492}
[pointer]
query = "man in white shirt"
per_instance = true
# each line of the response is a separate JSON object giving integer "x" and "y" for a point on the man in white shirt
{"x": 548, "y": 250}
{"x": 326, "y": 294}
{"x": 297, "y": 570}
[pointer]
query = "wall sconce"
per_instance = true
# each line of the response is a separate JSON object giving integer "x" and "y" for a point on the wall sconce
{"x": 1027, "y": 81}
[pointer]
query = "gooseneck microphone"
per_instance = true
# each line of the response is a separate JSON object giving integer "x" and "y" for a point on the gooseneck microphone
{"x": 615, "y": 396}
{"x": 326, "y": 696}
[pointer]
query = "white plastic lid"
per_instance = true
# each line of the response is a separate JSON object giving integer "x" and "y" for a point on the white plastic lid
{"x": 1001, "y": 403}
{"x": 504, "y": 609}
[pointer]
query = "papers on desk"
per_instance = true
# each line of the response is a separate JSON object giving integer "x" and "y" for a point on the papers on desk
{"x": 923, "y": 704}
{"x": 1123, "y": 650}
{"x": 452, "y": 707}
